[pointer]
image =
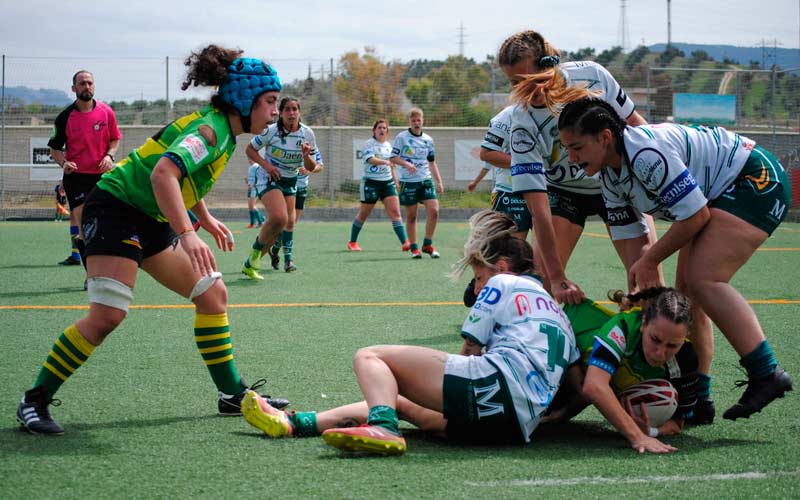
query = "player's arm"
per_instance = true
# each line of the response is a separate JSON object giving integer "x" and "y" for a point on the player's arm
{"x": 165, "y": 180}
{"x": 437, "y": 178}
{"x": 107, "y": 163}
{"x": 497, "y": 159}
{"x": 597, "y": 389}
{"x": 563, "y": 290}
{"x": 474, "y": 182}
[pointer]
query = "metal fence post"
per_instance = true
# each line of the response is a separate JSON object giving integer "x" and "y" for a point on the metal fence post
{"x": 649, "y": 116}
{"x": 774, "y": 109}
{"x": 331, "y": 142}
{"x": 166, "y": 110}
{"x": 3, "y": 138}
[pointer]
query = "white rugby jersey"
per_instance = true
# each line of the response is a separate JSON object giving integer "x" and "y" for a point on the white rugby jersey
{"x": 537, "y": 155}
{"x": 285, "y": 153}
{"x": 417, "y": 150}
{"x": 381, "y": 151}
{"x": 497, "y": 139}
{"x": 252, "y": 171}
{"x": 528, "y": 338}
{"x": 670, "y": 171}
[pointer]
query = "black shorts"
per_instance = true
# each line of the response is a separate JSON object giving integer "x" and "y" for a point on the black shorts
{"x": 77, "y": 186}
{"x": 576, "y": 207}
{"x": 111, "y": 227}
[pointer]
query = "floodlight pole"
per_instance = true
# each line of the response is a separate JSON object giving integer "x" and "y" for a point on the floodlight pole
{"x": 3, "y": 136}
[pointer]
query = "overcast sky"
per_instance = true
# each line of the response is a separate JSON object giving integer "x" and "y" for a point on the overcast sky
{"x": 294, "y": 34}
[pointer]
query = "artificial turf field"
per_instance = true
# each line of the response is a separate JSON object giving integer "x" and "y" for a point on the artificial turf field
{"x": 141, "y": 421}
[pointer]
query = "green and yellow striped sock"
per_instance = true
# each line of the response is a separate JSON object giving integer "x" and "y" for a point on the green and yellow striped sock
{"x": 69, "y": 353}
{"x": 212, "y": 333}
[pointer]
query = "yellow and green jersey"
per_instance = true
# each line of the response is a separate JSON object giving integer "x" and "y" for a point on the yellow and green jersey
{"x": 200, "y": 163}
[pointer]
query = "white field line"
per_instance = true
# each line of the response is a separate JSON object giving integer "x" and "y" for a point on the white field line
{"x": 600, "y": 480}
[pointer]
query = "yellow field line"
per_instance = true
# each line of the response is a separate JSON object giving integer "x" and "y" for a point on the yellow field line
{"x": 323, "y": 304}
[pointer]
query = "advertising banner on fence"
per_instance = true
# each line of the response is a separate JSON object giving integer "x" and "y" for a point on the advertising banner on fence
{"x": 467, "y": 159}
{"x": 40, "y": 155}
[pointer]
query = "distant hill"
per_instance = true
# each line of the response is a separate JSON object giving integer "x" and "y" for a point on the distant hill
{"x": 785, "y": 58}
{"x": 50, "y": 97}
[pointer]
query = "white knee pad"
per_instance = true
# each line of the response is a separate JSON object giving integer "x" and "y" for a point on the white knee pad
{"x": 109, "y": 292}
{"x": 204, "y": 284}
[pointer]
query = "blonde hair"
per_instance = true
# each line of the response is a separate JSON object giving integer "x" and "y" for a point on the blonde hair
{"x": 530, "y": 45}
{"x": 491, "y": 237}
{"x": 415, "y": 111}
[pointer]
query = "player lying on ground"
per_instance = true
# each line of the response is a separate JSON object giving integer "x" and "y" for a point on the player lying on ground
{"x": 619, "y": 351}
{"x": 517, "y": 346}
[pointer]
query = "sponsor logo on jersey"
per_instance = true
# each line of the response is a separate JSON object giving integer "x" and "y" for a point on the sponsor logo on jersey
{"x": 618, "y": 337}
{"x": 535, "y": 168}
{"x": 621, "y": 216}
{"x": 489, "y": 295}
{"x": 194, "y": 145}
{"x": 473, "y": 319}
{"x": 408, "y": 151}
{"x": 99, "y": 125}
{"x": 523, "y": 304}
{"x": 621, "y": 98}
{"x": 522, "y": 141}
{"x": 678, "y": 189}
{"x": 494, "y": 139}
{"x": 650, "y": 167}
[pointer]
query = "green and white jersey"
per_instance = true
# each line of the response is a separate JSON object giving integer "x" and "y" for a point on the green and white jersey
{"x": 671, "y": 171}
{"x": 200, "y": 163}
{"x": 417, "y": 150}
{"x": 497, "y": 138}
{"x": 527, "y": 337}
{"x": 381, "y": 151}
{"x": 285, "y": 152}
{"x": 538, "y": 158}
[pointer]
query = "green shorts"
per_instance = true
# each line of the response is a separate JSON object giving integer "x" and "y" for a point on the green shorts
{"x": 465, "y": 411}
{"x": 287, "y": 185}
{"x": 412, "y": 193}
{"x": 372, "y": 190}
{"x": 576, "y": 207}
{"x": 760, "y": 195}
{"x": 514, "y": 206}
{"x": 300, "y": 198}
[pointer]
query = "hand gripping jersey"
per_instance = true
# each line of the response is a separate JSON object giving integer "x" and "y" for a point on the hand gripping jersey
{"x": 528, "y": 338}
{"x": 381, "y": 151}
{"x": 497, "y": 138}
{"x": 537, "y": 156}
{"x": 285, "y": 152}
{"x": 616, "y": 347}
{"x": 417, "y": 150}
{"x": 670, "y": 171}
{"x": 200, "y": 163}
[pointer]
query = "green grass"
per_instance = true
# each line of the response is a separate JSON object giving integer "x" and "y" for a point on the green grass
{"x": 140, "y": 415}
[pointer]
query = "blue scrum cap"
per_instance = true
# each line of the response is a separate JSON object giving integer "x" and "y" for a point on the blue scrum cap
{"x": 247, "y": 79}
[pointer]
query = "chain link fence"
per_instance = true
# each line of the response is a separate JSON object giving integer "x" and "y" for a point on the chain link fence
{"x": 340, "y": 98}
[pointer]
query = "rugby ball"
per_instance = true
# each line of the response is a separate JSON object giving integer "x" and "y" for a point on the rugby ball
{"x": 659, "y": 397}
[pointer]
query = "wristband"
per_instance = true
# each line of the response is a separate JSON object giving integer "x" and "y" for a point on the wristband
{"x": 185, "y": 232}
{"x": 653, "y": 432}
{"x": 110, "y": 156}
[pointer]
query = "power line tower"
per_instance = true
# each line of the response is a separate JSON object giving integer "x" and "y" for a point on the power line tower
{"x": 461, "y": 37}
{"x": 623, "y": 35}
{"x": 769, "y": 54}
